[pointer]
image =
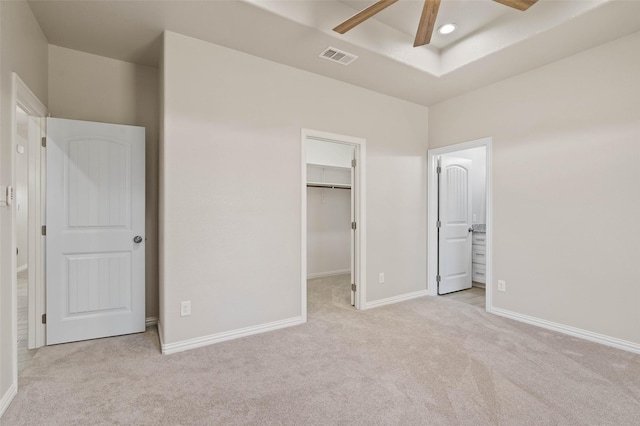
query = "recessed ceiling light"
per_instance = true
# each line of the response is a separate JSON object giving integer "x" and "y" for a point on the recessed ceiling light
{"x": 447, "y": 28}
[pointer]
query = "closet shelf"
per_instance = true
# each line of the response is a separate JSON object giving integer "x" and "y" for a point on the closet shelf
{"x": 328, "y": 185}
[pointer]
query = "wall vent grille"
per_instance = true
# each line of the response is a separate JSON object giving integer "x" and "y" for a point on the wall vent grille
{"x": 337, "y": 55}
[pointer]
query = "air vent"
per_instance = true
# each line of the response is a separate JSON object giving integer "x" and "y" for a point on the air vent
{"x": 337, "y": 55}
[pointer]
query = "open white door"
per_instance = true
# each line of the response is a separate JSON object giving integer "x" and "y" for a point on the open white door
{"x": 454, "y": 245}
{"x": 95, "y": 230}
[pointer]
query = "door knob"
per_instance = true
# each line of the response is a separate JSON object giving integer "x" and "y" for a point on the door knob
{"x": 137, "y": 239}
{"x": 470, "y": 229}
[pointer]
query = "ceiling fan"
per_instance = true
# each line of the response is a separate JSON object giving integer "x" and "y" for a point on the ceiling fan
{"x": 427, "y": 19}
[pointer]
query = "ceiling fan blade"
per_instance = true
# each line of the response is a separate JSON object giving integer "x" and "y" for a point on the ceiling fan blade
{"x": 518, "y": 4}
{"x": 363, "y": 15}
{"x": 427, "y": 22}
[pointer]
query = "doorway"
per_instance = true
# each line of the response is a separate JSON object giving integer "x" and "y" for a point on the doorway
{"x": 333, "y": 217}
{"x": 25, "y": 349}
{"x": 459, "y": 222}
{"x": 28, "y": 128}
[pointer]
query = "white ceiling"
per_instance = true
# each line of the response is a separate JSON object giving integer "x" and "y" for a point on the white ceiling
{"x": 493, "y": 42}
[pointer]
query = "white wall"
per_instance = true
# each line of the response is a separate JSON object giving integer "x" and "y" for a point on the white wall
{"x": 329, "y": 153}
{"x": 94, "y": 88}
{"x": 230, "y": 185}
{"x": 22, "y": 189}
{"x": 328, "y": 210}
{"x": 566, "y": 170}
{"x": 22, "y": 206}
{"x": 478, "y": 180}
{"x": 328, "y": 231}
{"x": 23, "y": 49}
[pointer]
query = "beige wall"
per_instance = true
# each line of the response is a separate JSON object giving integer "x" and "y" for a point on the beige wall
{"x": 23, "y": 49}
{"x": 231, "y": 186}
{"x": 566, "y": 171}
{"x": 21, "y": 168}
{"x": 94, "y": 88}
{"x": 328, "y": 231}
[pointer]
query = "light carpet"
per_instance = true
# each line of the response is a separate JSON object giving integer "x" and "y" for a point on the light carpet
{"x": 424, "y": 361}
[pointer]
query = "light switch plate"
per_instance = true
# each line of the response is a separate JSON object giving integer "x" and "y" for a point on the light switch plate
{"x": 10, "y": 195}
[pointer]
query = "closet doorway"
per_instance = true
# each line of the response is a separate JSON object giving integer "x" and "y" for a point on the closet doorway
{"x": 332, "y": 219}
{"x": 459, "y": 222}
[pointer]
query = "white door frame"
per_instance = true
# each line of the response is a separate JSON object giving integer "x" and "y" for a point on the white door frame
{"x": 24, "y": 98}
{"x": 360, "y": 213}
{"x": 432, "y": 213}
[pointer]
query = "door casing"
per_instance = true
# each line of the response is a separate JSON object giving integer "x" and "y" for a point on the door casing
{"x": 359, "y": 210}
{"x": 432, "y": 214}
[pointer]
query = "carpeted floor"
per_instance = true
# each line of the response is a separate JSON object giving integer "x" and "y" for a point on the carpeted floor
{"x": 425, "y": 361}
{"x": 24, "y": 353}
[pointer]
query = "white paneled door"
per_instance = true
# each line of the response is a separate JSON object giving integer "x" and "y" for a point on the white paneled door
{"x": 95, "y": 230}
{"x": 455, "y": 223}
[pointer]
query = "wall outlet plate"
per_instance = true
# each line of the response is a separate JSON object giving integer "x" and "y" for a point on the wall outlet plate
{"x": 185, "y": 308}
{"x": 502, "y": 285}
{"x": 381, "y": 277}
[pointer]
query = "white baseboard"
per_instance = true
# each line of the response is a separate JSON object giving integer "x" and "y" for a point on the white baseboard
{"x": 571, "y": 331}
{"x": 395, "y": 299}
{"x": 7, "y": 398}
{"x": 22, "y": 268}
{"x": 198, "y": 342}
{"x": 328, "y": 274}
{"x": 150, "y": 321}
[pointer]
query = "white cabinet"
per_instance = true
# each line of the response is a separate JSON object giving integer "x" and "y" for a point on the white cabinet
{"x": 479, "y": 258}
{"x": 479, "y": 239}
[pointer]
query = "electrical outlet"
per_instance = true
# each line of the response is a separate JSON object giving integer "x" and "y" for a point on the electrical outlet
{"x": 502, "y": 285}
{"x": 381, "y": 277}
{"x": 185, "y": 308}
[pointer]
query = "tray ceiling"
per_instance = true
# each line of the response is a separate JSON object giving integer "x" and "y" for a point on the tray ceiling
{"x": 492, "y": 42}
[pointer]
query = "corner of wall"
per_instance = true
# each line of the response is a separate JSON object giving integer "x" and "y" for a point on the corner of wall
{"x": 6, "y": 399}
{"x": 23, "y": 51}
{"x": 161, "y": 183}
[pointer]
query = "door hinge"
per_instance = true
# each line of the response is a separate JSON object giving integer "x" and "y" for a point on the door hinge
{"x": 44, "y": 142}
{"x": 438, "y": 224}
{"x": 438, "y": 278}
{"x": 43, "y": 231}
{"x": 353, "y": 162}
{"x": 353, "y": 287}
{"x": 438, "y": 169}
{"x": 44, "y": 318}
{"x": 353, "y": 225}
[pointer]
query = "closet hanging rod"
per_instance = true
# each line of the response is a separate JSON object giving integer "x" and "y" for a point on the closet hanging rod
{"x": 327, "y": 185}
